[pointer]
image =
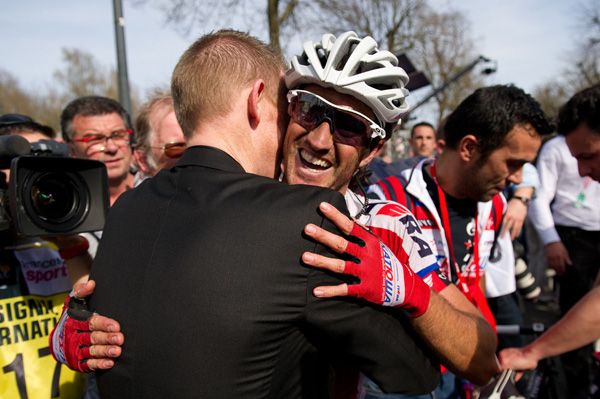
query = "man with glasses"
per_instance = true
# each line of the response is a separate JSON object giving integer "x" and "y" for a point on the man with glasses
{"x": 99, "y": 128}
{"x": 159, "y": 141}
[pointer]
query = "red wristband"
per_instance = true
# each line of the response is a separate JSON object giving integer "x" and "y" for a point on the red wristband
{"x": 77, "y": 249}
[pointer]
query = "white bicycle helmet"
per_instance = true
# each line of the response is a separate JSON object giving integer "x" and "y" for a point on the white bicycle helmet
{"x": 353, "y": 66}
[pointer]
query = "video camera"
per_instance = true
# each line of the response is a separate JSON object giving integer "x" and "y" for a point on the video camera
{"x": 48, "y": 193}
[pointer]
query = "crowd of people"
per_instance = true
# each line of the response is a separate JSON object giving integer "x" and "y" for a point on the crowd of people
{"x": 257, "y": 247}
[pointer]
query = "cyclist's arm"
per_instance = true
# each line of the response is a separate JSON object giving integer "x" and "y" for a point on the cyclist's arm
{"x": 579, "y": 327}
{"x": 79, "y": 268}
{"x": 459, "y": 335}
{"x": 452, "y": 327}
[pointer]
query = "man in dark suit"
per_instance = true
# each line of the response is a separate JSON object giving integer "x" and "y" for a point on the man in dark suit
{"x": 219, "y": 236}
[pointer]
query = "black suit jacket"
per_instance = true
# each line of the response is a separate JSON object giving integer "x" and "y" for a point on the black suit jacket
{"x": 201, "y": 266}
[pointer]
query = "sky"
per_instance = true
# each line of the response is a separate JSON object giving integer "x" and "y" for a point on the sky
{"x": 529, "y": 40}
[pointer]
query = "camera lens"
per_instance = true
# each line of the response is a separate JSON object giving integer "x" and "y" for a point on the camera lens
{"x": 55, "y": 200}
{"x": 53, "y": 197}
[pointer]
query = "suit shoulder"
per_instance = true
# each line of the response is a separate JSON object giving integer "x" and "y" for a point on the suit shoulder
{"x": 299, "y": 194}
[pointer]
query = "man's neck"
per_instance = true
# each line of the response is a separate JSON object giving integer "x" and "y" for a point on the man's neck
{"x": 448, "y": 173}
{"x": 119, "y": 187}
{"x": 235, "y": 140}
{"x": 235, "y": 150}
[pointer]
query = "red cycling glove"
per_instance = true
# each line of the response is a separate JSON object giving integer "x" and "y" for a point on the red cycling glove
{"x": 71, "y": 338}
{"x": 384, "y": 280}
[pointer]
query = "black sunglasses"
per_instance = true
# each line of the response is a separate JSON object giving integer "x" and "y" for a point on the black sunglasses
{"x": 346, "y": 125}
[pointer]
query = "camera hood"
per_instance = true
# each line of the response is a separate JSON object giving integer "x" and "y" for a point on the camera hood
{"x": 57, "y": 195}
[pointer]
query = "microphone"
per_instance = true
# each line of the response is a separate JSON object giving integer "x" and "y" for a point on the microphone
{"x": 11, "y": 147}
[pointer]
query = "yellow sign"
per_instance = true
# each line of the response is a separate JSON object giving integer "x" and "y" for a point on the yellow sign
{"x": 28, "y": 370}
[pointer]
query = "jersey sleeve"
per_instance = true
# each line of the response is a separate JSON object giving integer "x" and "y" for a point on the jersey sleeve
{"x": 399, "y": 230}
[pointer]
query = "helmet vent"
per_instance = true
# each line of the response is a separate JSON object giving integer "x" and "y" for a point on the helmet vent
{"x": 303, "y": 59}
{"x": 322, "y": 56}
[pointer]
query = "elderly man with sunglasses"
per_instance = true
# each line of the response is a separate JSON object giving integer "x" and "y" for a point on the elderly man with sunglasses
{"x": 331, "y": 134}
{"x": 159, "y": 141}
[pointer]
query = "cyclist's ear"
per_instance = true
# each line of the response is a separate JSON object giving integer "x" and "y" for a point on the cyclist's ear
{"x": 371, "y": 152}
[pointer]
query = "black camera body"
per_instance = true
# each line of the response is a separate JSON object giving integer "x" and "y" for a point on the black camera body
{"x": 50, "y": 194}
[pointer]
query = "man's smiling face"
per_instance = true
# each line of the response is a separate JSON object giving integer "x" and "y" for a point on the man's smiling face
{"x": 314, "y": 157}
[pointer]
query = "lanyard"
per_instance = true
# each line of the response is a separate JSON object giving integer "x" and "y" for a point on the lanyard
{"x": 448, "y": 234}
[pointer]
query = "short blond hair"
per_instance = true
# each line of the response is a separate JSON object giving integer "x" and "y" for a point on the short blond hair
{"x": 214, "y": 69}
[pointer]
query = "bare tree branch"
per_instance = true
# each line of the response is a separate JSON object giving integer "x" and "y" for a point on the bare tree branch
{"x": 389, "y": 22}
{"x": 582, "y": 65}
{"x": 187, "y": 15}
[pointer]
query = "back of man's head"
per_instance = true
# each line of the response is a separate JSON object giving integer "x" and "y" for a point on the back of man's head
{"x": 215, "y": 69}
{"x": 490, "y": 113}
{"x": 90, "y": 106}
{"x": 582, "y": 107}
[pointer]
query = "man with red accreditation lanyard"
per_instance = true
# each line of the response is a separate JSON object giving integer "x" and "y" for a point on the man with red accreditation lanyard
{"x": 489, "y": 137}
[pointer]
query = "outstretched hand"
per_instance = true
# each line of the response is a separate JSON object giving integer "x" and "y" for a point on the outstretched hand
{"x": 384, "y": 280}
{"x": 81, "y": 340}
{"x": 517, "y": 359}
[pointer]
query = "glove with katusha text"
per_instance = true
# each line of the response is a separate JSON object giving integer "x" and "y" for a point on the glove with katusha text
{"x": 384, "y": 280}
